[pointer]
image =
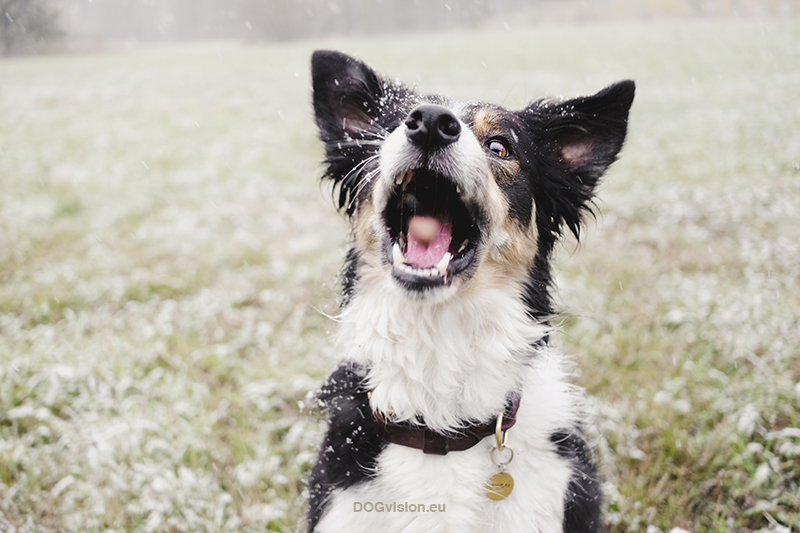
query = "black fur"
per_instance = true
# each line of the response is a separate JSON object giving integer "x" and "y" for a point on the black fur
{"x": 352, "y": 444}
{"x": 349, "y": 276}
{"x": 537, "y": 290}
{"x": 582, "y": 505}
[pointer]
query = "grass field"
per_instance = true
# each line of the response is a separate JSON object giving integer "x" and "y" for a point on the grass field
{"x": 168, "y": 263}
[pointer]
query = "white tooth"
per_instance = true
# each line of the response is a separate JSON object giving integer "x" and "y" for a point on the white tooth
{"x": 403, "y": 177}
{"x": 458, "y": 189}
{"x": 463, "y": 245}
{"x": 397, "y": 255}
{"x": 441, "y": 266}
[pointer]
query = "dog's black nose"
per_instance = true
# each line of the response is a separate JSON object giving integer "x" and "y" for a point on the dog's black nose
{"x": 432, "y": 126}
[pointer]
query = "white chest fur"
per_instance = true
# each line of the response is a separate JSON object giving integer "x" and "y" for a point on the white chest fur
{"x": 455, "y": 483}
{"x": 445, "y": 362}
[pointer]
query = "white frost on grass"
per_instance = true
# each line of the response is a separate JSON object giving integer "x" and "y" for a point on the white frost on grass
{"x": 147, "y": 382}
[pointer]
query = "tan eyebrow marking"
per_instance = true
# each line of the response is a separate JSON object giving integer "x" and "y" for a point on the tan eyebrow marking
{"x": 484, "y": 123}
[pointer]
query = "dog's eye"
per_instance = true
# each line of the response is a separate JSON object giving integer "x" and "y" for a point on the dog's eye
{"x": 498, "y": 147}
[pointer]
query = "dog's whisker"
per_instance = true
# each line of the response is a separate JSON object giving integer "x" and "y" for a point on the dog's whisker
{"x": 364, "y": 181}
{"x": 358, "y": 168}
{"x": 354, "y": 142}
{"x": 362, "y": 184}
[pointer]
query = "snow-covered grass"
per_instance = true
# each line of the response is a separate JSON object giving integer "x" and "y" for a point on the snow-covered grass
{"x": 165, "y": 251}
{"x": 168, "y": 259}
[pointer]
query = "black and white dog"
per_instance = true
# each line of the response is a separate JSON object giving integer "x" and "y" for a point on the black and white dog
{"x": 455, "y": 210}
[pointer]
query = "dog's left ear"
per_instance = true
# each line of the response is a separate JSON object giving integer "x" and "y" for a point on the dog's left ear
{"x": 581, "y": 138}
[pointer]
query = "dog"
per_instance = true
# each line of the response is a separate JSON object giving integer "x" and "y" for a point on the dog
{"x": 448, "y": 411}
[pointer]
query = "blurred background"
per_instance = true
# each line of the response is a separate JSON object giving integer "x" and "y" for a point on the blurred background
{"x": 36, "y": 25}
{"x": 169, "y": 257}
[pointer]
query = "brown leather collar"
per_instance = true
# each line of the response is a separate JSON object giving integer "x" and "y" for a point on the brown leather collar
{"x": 429, "y": 441}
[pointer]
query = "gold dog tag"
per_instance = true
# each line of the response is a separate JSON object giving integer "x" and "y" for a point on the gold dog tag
{"x": 499, "y": 486}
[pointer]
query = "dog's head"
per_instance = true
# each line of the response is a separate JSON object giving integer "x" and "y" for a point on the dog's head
{"x": 445, "y": 196}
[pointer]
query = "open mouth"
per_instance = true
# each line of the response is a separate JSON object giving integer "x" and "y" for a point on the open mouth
{"x": 432, "y": 235}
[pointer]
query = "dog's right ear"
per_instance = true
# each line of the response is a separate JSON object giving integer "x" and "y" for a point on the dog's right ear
{"x": 347, "y": 96}
{"x": 352, "y": 103}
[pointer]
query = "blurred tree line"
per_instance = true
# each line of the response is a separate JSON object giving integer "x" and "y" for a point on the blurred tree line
{"x": 274, "y": 20}
{"x": 28, "y": 25}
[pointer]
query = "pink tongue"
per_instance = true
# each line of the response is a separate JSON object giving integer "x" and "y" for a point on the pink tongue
{"x": 428, "y": 241}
